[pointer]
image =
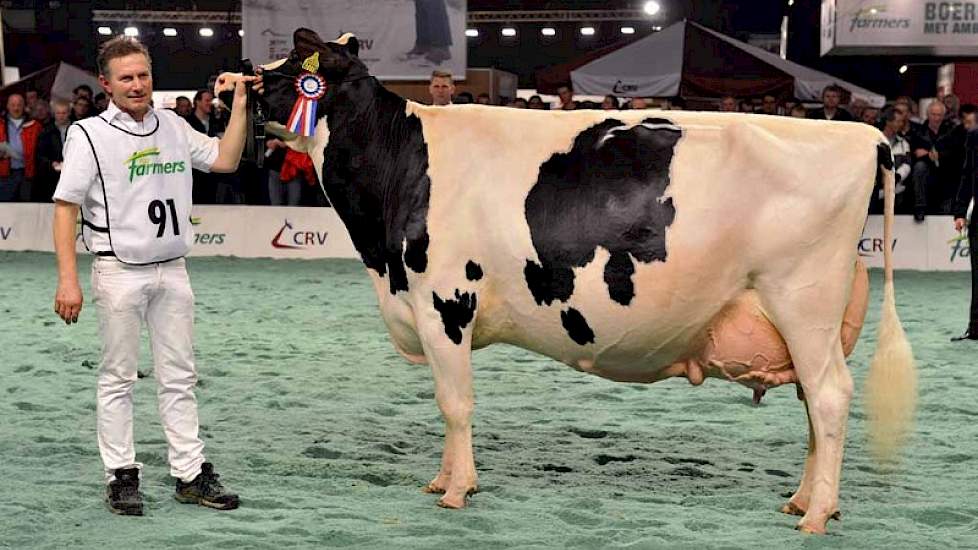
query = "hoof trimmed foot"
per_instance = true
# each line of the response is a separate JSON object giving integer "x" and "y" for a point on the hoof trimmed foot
{"x": 431, "y": 488}
{"x": 456, "y": 499}
{"x": 792, "y": 509}
{"x": 810, "y": 529}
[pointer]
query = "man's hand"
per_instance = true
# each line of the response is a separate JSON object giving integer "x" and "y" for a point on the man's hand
{"x": 959, "y": 224}
{"x": 68, "y": 301}
{"x": 237, "y": 82}
{"x": 56, "y": 166}
{"x": 934, "y": 156}
{"x": 920, "y": 152}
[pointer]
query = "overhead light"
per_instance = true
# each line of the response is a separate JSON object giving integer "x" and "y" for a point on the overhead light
{"x": 791, "y": 3}
{"x": 652, "y": 8}
{"x": 241, "y": 33}
{"x": 509, "y": 31}
{"x": 873, "y": 11}
{"x": 472, "y": 33}
{"x": 104, "y": 31}
{"x": 903, "y": 69}
{"x": 206, "y": 31}
{"x": 656, "y": 28}
{"x": 548, "y": 31}
{"x": 131, "y": 31}
{"x": 628, "y": 30}
{"x": 169, "y": 31}
{"x": 587, "y": 31}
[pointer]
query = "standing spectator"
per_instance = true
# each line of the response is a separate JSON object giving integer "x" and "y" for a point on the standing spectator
{"x": 892, "y": 123}
{"x": 183, "y": 107}
{"x": 82, "y": 91}
{"x": 31, "y": 98}
{"x": 49, "y": 148}
{"x": 19, "y": 135}
{"x": 81, "y": 108}
{"x": 953, "y": 105}
{"x": 728, "y": 104}
{"x": 536, "y": 102}
{"x": 830, "y": 110}
{"x": 968, "y": 194}
{"x": 205, "y": 190}
{"x": 912, "y": 117}
{"x": 769, "y": 105}
{"x": 908, "y": 126}
{"x": 929, "y": 143}
{"x": 441, "y": 88}
{"x": 871, "y": 116}
{"x": 41, "y": 112}
{"x": 566, "y": 95}
{"x": 485, "y": 99}
{"x": 281, "y": 192}
{"x": 610, "y": 103}
{"x": 101, "y": 103}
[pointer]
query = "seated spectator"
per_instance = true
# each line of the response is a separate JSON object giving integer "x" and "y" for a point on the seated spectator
{"x": 518, "y": 103}
{"x": 81, "y": 108}
{"x": 183, "y": 106}
{"x": 893, "y": 120}
{"x": 31, "y": 97}
{"x": 638, "y": 103}
{"x": 912, "y": 117}
{"x": 610, "y": 103}
{"x": 953, "y": 105}
{"x": 830, "y": 109}
{"x": 485, "y": 99}
{"x": 769, "y": 105}
{"x": 536, "y": 102}
{"x": 929, "y": 143}
{"x": 871, "y": 116}
{"x": 856, "y": 107}
{"x": 566, "y": 95}
{"x": 799, "y": 111}
{"x": 728, "y": 104}
{"x": 17, "y": 168}
{"x": 463, "y": 98}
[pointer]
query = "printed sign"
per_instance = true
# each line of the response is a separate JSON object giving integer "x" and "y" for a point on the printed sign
{"x": 867, "y": 27}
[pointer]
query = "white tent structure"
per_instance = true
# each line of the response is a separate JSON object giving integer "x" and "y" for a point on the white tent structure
{"x": 54, "y": 81}
{"x": 692, "y": 61}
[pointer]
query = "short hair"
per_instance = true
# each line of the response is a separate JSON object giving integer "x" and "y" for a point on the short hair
{"x": 568, "y": 85}
{"x": 85, "y": 87}
{"x": 117, "y": 47}
{"x": 60, "y": 103}
{"x": 940, "y": 104}
{"x": 833, "y": 88}
{"x": 968, "y": 109}
{"x": 799, "y": 109}
{"x": 441, "y": 74}
{"x": 182, "y": 98}
{"x": 200, "y": 93}
{"x": 889, "y": 114}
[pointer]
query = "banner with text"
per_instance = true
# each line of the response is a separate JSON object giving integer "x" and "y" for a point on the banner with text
{"x": 399, "y": 39}
{"x": 923, "y": 27}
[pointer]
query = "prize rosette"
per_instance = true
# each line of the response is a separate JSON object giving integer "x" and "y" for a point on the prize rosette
{"x": 311, "y": 88}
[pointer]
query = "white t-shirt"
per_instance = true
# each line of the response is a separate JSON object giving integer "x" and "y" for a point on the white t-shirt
{"x": 81, "y": 181}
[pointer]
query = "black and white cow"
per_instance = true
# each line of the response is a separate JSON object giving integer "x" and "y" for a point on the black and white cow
{"x": 610, "y": 242}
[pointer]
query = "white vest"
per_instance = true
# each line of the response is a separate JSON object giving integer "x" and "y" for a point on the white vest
{"x": 146, "y": 187}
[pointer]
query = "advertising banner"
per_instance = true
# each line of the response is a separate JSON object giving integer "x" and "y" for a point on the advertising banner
{"x": 920, "y": 27}
{"x": 399, "y": 39}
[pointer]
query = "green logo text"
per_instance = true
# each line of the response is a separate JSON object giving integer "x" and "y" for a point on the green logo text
{"x": 141, "y": 164}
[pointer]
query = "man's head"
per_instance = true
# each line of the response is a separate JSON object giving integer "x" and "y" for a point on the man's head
{"x": 728, "y": 104}
{"x": 101, "y": 101}
{"x": 203, "y": 102}
{"x": 441, "y": 88}
{"x": 41, "y": 111}
{"x": 969, "y": 116}
{"x": 950, "y": 101}
{"x": 15, "y": 106}
{"x": 125, "y": 73}
{"x": 535, "y": 102}
{"x": 609, "y": 103}
{"x": 871, "y": 116}
{"x": 799, "y": 111}
{"x": 82, "y": 90}
{"x": 62, "y": 112}
{"x": 565, "y": 93}
{"x": 183, "y": 106}
{"x": 638, "y": 103}
{"x": 893, "y": 119}
{"x": 935, "y": 113}
{"x": 463, "y": 98}
{"x": 31, "y": 97}
{"x": 831, "y": 96}
{"x": 81, "y": 107}
{"x": 483, "y": 99}
{"x": 769, "y": 105}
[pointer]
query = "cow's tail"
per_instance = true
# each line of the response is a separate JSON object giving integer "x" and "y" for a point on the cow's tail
{"x": 891, "y": 386}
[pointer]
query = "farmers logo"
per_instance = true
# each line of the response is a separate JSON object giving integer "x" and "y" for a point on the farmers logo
{"x": 287, "y": 237}
{"x": 145, "y": 162}
{"x": 874, "y": 18}
{"x": 206, "y": 238}
{"x": 959, "y": 248}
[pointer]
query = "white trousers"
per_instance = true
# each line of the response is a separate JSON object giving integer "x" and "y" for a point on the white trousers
{"x": 159, "y": 296}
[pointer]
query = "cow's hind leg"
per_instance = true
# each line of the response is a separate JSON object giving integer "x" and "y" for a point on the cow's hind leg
{"x": 448, "y": 348}
{"x": 809, "y": 318}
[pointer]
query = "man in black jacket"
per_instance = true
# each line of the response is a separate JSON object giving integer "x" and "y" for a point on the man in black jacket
{"x": 967, "y": 192}
{"x": 931, "y": 147}
{"x": 49, "y": 146}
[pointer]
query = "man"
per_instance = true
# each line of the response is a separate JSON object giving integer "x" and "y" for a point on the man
{"x": 101, "y": 102}
{"x": 81, "y": 108}
{"x": 19, "y": 136}
{"x": 183, "y": 106}
{"x": 769, "y": 105}
{"x": 871, "y": 116}
{"x": 967, "y": 193}
{"x": 728, "y": 104}
{"x": 128, "y": 171}
{"x": 893, "y": 120}
{"x": 830, "y": 110}
{"x": 566, "y": 95}
{"x": 202, "y": 119}
{"x": 41, "y": 112}
{"x": 31, "y": 97}
{"x": 441, "y": 88}
{"x": 83, "y": 90}
{"x": 49, "y": 147}
{"x": 929, "y": 143}
{"x": 638, "y": 104}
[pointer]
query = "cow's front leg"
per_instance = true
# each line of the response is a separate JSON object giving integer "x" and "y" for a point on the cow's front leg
{"x": 447, "y": 341}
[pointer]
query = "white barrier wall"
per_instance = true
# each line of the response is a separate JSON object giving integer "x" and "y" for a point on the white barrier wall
{"x": 283, "y": 232}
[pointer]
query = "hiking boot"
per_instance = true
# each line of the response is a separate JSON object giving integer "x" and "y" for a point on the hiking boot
{"x": 206, "y": 490}
{"x": 122, "y": 494}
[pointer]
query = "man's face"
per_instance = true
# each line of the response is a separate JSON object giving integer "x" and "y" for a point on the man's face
{"x": 82, "y": 92}
{"x": 31, "y": 97}
{"x": 129, "y": 83}
{"x": 831, "y": 99}
{"x": 935, "y": 113}
{"x": 564, "y": 94}
{"x": 728, "y": 104}
{"x": 61, "y": 114}
{"x": 970, "y": 121}
{"x": 769, "y": 105}
{"x": 15, "y": 106}
{"x": 183, "y": 107}
{"x": 206, "y": 103}
{"x": 870, "y": 115}
{"x": 441, "y": 89}
{"x": 639, "y": 103}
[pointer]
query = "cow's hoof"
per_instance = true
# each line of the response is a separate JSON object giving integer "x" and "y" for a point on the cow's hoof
{"x": 456, "y": 499}
{"x": 792, "y": 509}
{"x": 433, "y": 488}
{"x": 810, "y": 529}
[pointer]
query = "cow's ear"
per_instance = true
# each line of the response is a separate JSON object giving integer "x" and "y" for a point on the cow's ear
{"x": 306, "y": 42}
{"x": 353, "y": 45}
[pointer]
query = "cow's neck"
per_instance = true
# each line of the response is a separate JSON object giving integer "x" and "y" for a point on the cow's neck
{"x": 375, "y": 174}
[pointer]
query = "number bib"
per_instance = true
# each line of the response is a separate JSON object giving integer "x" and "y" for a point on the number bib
{"x": 147, "y": 188}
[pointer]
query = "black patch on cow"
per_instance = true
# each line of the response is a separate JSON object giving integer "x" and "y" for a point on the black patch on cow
{"x": 576, "y": 326}
{"x": 375, "y": 171}
{"x": 607, "y": 194}
{"x": 884, "y": 161}
{"x": 473, "y": 271}
{"x": 455, "y": 314}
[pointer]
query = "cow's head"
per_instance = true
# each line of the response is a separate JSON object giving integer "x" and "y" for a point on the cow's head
{"x": 337, "y": 63}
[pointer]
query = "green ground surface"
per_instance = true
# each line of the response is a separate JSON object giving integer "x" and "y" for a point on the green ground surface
{"x": 328, "y": 434}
